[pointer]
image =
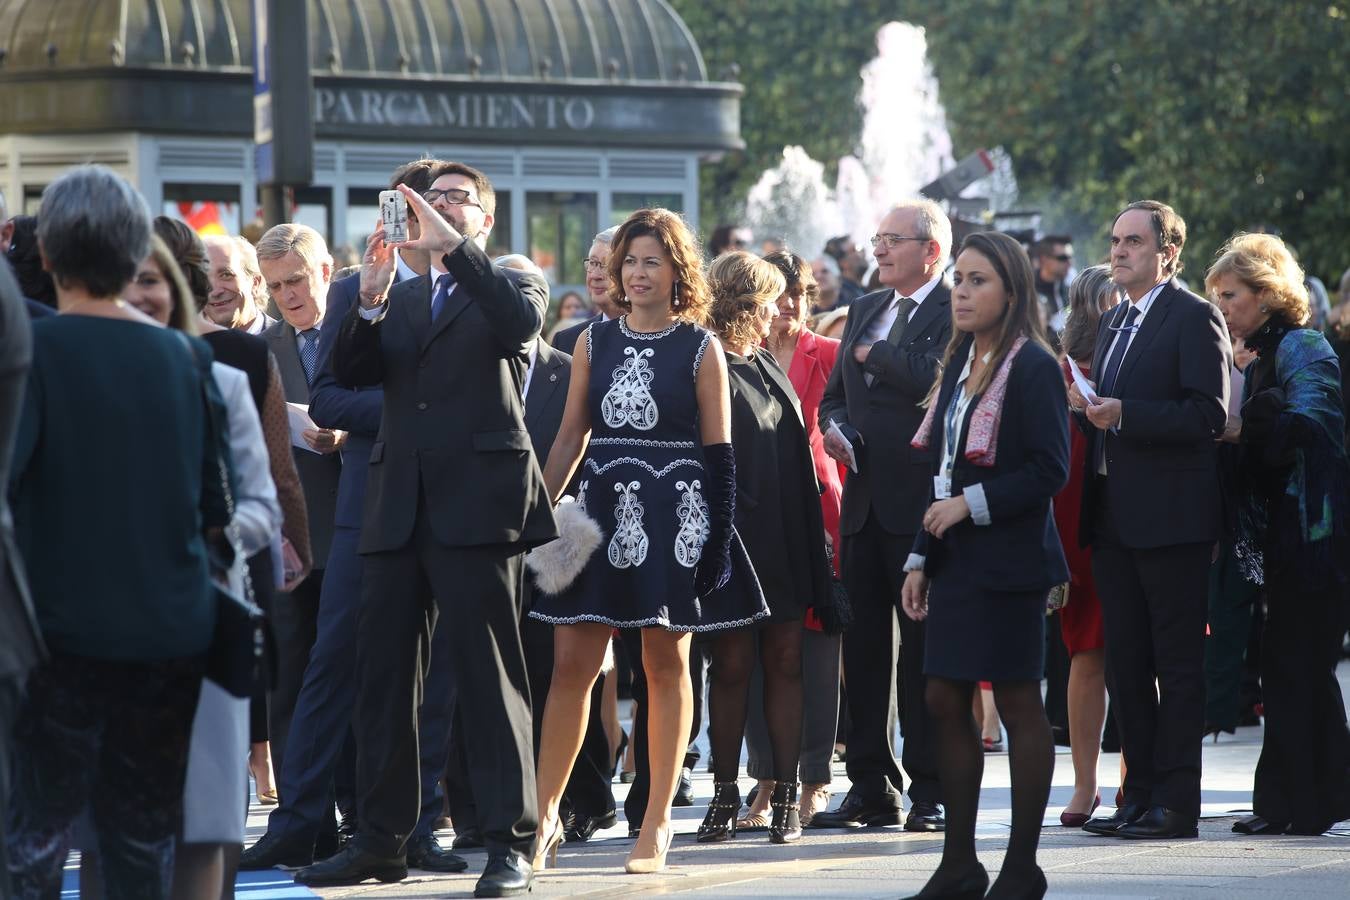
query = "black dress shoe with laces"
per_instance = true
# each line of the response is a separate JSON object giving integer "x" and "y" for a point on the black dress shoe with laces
{"x": 272, "y": 850}
{"x": 426, "y": 853}
{"x": 505, "y": 875}
{"x": 1256, "y": 825}
{"x": 584, "y": 827}
{"x": 925, "y": 815}
{"x": 684, "y": 791}
{"x": 352, "y": 865}
{"x": 855, "y": 812}
{"x": 1106, "y": 826}
{"x": 1160, "y": 823}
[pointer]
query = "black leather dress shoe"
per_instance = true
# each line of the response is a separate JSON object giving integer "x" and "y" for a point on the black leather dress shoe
{"x": 426, "y": 853}
{"x": 1258, "y": 825}
{"x": 274, "y": 850}
{"x": 1160, "y": 823}
{"x": 584, "y": 827}
{"x": 328, "y": 844}
{"x": 352, "y": 865}
{"x": 468, "y": 839}
{"x": 925, "y": 815}
{"x": 855, "y": 812}
{"x": 1106, "y": 825}
{"x": 505, "y": 875}
{"x": 684, "y": 791}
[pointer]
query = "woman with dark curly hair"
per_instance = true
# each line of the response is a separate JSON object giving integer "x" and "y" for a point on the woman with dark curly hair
{"x": 648, "y": 407}
{"x": 780, "y": 518}
{"x": 1293, "y": 533}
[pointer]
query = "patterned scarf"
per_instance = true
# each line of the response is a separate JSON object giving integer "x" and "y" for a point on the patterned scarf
{"x": 982, "y": 435}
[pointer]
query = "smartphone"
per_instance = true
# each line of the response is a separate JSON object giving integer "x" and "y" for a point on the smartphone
{"x": 394, "y": 216}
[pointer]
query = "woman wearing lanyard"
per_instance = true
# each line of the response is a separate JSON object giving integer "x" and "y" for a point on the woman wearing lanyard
{"x": 989, "y": 553}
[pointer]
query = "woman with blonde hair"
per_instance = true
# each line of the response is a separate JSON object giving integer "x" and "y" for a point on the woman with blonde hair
{"x": 780, "y": 520}
{"x": 647, "y": 419}
{"x": 1293, "y": 533}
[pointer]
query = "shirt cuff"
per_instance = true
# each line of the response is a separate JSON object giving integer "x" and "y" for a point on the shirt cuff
{"x": 915, "y": 563}
{"x": 979, "y": 505}
{"x": 375, "y": 313}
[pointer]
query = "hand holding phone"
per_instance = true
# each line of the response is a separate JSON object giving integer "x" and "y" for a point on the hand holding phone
{"x": 394, "y": 216}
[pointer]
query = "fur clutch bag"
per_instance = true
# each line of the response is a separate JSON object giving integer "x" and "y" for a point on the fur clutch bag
{"x": 557, "y": 564}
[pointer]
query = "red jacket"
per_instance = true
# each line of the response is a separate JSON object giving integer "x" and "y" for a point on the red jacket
{"x": 811, "y": 365}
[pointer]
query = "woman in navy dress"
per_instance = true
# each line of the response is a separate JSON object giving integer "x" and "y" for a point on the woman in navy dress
{"x": 989, "y": 553}
{"x": 648, "y": 405}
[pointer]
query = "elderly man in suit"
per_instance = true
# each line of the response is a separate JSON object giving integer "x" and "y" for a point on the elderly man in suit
{"x": 454, "y": 498}
{"x": 296, "y": 268}
{"x": 22, "y": 647}
{"x": 597, "y": 286}
{"x": 1151, "y": 512}
{"x": 888, "y": 361}
{"x": 237, "y": 288}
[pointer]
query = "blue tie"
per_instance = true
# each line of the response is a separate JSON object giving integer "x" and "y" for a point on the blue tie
{"x": 309, "y": 353}
{"x": 438, "y": 296}
{"x": 1107, "y": 385}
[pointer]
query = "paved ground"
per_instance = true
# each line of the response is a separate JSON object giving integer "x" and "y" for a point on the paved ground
{"x": 892, "y": 863}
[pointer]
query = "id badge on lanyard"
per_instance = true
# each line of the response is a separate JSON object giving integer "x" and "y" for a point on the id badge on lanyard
{"x": 942, "y": 483}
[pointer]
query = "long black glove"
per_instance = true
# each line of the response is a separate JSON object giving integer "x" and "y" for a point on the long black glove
{"x": 714, "y": 564}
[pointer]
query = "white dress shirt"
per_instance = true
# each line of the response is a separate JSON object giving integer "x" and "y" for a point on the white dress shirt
{"x": 882, "y": 326}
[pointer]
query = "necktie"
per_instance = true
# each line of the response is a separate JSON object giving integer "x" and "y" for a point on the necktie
{"x": 309, "y": 353}
{"x": 1108, "y": 382}
{"x": 438, "y": 296}
{"x": 904, "y": 306}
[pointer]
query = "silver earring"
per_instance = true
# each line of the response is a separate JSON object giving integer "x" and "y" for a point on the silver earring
{"x": 1264, "y": 308}
{"x": 675, "y": 301}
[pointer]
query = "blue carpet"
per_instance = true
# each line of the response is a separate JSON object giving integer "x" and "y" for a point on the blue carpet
{"x": 270, "y": 885}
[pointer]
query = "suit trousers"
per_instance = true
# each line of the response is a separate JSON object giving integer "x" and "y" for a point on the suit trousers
{"x": 477, "y": 594}
{"x": 872, "y": 569}
{"x": 295, "y": 625}
{"x": 11, "y": 692}
{"x": 820, "y": 711}
{"x": 1153, "y": 610}
{"x": 323, "y": 710}
{"x": 1303, "y": 774}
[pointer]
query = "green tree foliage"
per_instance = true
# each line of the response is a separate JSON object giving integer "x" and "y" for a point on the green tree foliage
{"x": 1237, "y": 112}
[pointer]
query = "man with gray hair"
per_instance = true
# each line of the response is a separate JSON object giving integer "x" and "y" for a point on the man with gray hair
{"x": 887, "y": 362}
{"x": 597, "y": 286}
{"x": 296, "y": 268}
{"x": 237, "y": 293}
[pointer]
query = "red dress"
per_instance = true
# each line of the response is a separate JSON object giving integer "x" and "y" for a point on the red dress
{"x": 1081, "y": 620}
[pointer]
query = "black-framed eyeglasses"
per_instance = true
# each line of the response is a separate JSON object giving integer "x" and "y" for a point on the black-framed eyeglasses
{"x": 592, "y": 264}
{"x": 453, "y": 196}
{"x": 1063, "y": 257}
{"x": 890, "y": 240}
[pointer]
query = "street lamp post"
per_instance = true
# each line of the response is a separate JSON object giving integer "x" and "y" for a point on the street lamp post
{"x": 283, "y": 118}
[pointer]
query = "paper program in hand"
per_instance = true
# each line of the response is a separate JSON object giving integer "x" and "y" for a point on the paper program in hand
{"x": 300, "y": 422}
{"x": 838, "y": 433}
{"x": 1084, "y": 387}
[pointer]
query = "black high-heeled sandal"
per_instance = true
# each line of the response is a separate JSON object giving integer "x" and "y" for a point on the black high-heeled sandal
{"x": 618, "y": 754}
{"x": 786, "y": 825}
{"x": 720, "y": 822}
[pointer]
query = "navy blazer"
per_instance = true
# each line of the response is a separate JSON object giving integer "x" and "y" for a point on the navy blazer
{"x": 1019, "y": 549}
{"x": 1163, "y": 484}
{"x": 566, "y": 340}
{"x": 356, "y": 411}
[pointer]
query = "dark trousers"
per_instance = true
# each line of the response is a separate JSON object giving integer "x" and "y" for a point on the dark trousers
{"x": 320, "y": 728}
{"x": 11, "y": 693}
{"x": 295, "y": 626}
{"x": 1303, "y": 775}
{"x": 1153, "y": 611}
{"x": 1231, "y": 600}
{"x": 112, "y": 737}
{"x": 477, "y": 592}
{"x": 872, "y": 563}
{"x": 635, "y": 804}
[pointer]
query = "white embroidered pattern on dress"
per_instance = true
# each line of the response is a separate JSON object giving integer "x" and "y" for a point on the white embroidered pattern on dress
{"x": 581, "y": 495}
{"x": 632, "y": 460}
{"x": 643, "y": 335}
{"x": 629, "y": 398}
{"x": 643, "y": 442}
{"x": 628, "y": 546}
{"x": 703, "y": 345}
{"x": 693, "y": 514}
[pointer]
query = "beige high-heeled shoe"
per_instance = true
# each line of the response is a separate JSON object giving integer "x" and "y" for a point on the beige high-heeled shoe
{"x": 547, "y": 846}
{"x": 648, "y": 865}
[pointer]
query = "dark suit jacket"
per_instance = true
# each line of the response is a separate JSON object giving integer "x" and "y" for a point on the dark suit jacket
{"x": 37, "y": 310}
{"x": 356, "y": 411}
{"x": 1163, "y": 482}
{"x": 547, "y": 399}
{"x": 566, "y": 340}
{"x": 452, "y": 437}
{"x": 21, "y": 645}
{"x": 1019, "y": 549}
{"x": 892, "y": 480}
{"x": 319, "y": 473}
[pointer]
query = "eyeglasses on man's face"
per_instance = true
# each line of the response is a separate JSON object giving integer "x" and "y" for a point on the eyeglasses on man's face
{"x": 453, "y": 196}
{"x": 889, "y": 240}
{"x": 593, "y": 265}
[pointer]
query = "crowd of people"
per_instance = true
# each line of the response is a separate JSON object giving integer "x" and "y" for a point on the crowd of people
{"x": 368, "y": 537}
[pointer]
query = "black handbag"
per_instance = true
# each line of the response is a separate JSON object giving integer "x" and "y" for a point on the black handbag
{"x": 834, "y": 611}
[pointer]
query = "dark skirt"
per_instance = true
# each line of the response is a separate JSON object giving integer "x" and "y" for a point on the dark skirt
{"x": 976, "y": 634}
